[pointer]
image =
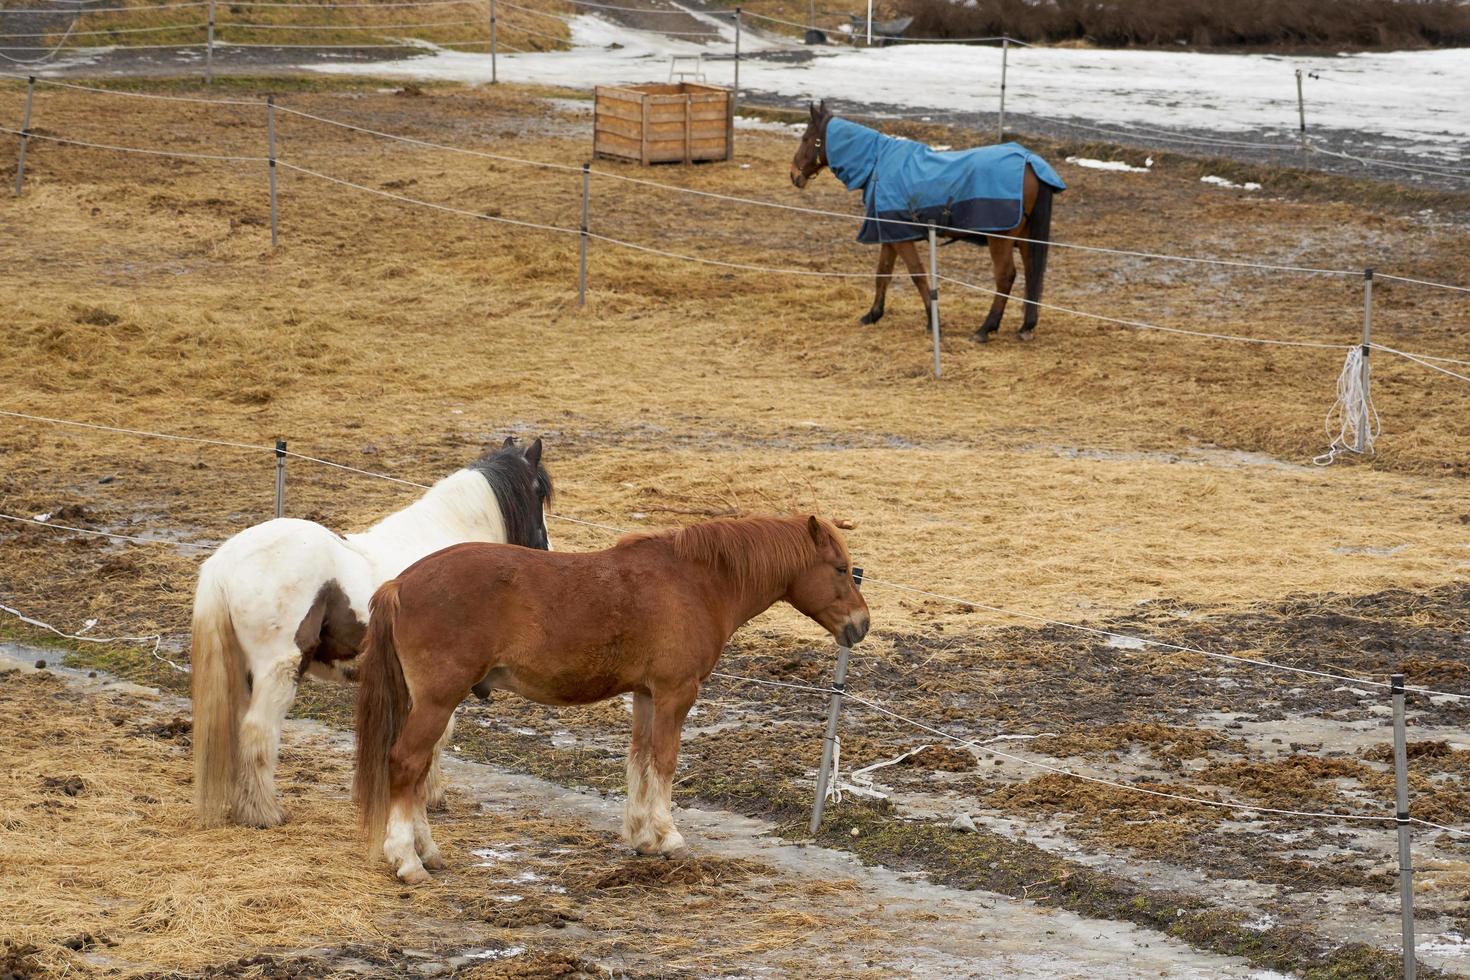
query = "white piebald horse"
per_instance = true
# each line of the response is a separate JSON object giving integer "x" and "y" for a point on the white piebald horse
{"x": 288, "y": 598}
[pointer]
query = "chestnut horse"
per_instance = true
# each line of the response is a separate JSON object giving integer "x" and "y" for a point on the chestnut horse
{"x": 897, "y": 229}
{"x": 649, "y": 616}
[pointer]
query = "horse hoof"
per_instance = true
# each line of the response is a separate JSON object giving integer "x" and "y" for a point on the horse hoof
{"x": 1027, "y": 335}
{"x": 980, "y": 336}
{"x": 434, "y": 862}
{"x": 868, "y": 319}
{"x": 264, "y": 821}
{"x": 414, "y": 876}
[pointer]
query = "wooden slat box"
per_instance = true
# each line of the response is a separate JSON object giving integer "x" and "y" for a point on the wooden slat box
{"x": 656, "y": 123}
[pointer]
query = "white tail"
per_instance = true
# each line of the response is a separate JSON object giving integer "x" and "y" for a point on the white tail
{"x": 218, "y": 689}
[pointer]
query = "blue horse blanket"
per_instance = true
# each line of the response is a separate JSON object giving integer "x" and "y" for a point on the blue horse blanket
{"x": 910, "y": 186}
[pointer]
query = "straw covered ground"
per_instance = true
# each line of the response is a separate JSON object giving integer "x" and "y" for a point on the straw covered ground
{"x": 1158, "y": 482}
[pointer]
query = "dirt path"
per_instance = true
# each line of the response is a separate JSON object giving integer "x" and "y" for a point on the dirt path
{"x": 781, "y": 908}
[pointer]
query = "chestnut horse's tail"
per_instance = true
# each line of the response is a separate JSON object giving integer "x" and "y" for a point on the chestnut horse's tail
{"x": 1039, "y": 231}
{"x": 382, "y": 707}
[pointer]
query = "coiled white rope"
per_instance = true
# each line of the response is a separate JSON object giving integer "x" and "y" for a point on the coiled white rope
{"x": 157, "y": 638}
{"x": 1352, "y": 421}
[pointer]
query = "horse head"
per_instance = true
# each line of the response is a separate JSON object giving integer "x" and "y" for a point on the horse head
{"x": 826, "y": 590}
{"x": 811, "y": 155}
{"x": 522, "y": 487}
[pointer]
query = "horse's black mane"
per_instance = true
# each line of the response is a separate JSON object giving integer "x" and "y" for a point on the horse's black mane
{"x": 520, "y": 489}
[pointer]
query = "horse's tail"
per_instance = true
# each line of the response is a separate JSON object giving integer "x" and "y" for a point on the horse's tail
{"x": 1039, "y": 231}
{"x": 382, "y": 707}
{"x": 217, "y": 685}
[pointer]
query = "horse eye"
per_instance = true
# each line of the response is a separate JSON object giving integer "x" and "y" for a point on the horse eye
{"x": 841, "y": 569}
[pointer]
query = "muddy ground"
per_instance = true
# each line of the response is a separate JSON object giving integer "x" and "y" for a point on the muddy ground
{"x": 1156, "y": 485}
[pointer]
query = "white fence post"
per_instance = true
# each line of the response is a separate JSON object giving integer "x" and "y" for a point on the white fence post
{"x": 582, "y": 266}
{"x": 1005, "y": 57}
{"x": 270, "y": 138}
{"x": 829, "y": 742}
{"x": 209, "y": 48}
{"x": 1301, "y": 111}
{"x": 934, "y": 297}
{"x": 25, "y": 136}
{"x": 280, "y": 477}
{"x": 735, "y": 90}
{"x": 834, "y": 712}
{"x": 1364, "y": 375}
{"x": 1401, "y": 817}
{"x": 493, "y": 77}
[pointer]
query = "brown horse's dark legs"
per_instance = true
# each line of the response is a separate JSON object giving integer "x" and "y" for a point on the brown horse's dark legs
{"x": 910, "y": 256}
{"x": 1003, "y": 260}
{"x": 1028, "y": 321}
{"x": 886, "y": 255}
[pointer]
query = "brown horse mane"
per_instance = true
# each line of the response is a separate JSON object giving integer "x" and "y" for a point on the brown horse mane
{"x": 758, "y": 552}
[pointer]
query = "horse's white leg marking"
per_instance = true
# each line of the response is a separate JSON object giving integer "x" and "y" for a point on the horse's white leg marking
{"x": 667, "y": 839}
{"x": 398, "y": 844}
{"x": 435, "y": 785}
{"x": 272, "y": 691}
{"x": 638, "y": 810}
{"x": 423, "y": 838}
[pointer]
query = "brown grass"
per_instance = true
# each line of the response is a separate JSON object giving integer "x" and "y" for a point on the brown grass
{"x": 1200, "y": 23}
{"x": 1088, "y": 471}
{"x": 365, "y": 24}
{"x": 105, "y": 866}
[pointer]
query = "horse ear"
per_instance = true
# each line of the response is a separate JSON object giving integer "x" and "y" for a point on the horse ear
{"x": 814, "y": 111}
{"x": 533, "y": 453}
{"x": 815, "y": 529}
{"x": 822, "y": 108}
{"x": 509, "y": 441}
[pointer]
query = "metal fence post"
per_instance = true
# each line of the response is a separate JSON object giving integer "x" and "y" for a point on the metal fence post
{"x": 1364, "y": 376}
{"x": 209, "y": 48}
{"x": 270, "y": 138}
{"x": 834, "y": 711}
{"x": 1301, "y": 111}
{"x": 735, "y": 92}
{"x": 934, "y": 297}
{"x": 582, "y": 268}
{"x": 493, "y": 77}
{"x": 280, "y": 477}
{"x": 25, "y": 135}
{"x": 1401, "y": 817}
{"x": 1005, "y": 57}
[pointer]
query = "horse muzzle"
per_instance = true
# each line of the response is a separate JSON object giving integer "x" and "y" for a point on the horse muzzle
{"x": 798, "y": 179}
{"x": 853, "y": 631}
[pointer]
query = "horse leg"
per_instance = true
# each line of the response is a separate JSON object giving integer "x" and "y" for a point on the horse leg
{"x": 669, "y": 710}
{"x": 1033, "y": 285}
{"x": 910, "y": 256}
{"x": 886, "y": 255}
{"x": 638, "y": 810}
{"x": 272, "y": 689}
{"x": 408, "y": 769}
{"x": 1003, "y": 263}
{"x": 435, "y": 788}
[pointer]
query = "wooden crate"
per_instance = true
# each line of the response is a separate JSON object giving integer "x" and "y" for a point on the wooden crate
{"x": 674, "y": 123}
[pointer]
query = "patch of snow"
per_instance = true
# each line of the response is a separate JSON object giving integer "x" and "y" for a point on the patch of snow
{"x": 1249, "y": 185}
{"x": 496, "y": 954}
{"x": 1127, "y": 643}
{"x": 492, "y": 856}
{"x": 1378, "y": 94}
{"x": 1115, "y": 165}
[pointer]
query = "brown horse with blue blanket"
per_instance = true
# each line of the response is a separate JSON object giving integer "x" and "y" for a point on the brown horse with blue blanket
{"x": 998, "y": 195}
